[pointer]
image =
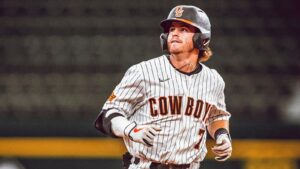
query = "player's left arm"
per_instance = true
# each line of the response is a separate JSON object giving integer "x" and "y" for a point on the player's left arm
{"x": 214, "y": 126}
{"x": 218, "y": 124}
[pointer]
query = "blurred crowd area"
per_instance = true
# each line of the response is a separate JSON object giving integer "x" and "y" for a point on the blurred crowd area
{"x": 61, "y": 59}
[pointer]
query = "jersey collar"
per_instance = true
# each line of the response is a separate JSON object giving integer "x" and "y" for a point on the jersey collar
{"x": 197, "y": 70}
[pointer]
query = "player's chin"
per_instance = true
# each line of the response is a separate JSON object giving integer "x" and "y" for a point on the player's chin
{"x": 175, "y": 50}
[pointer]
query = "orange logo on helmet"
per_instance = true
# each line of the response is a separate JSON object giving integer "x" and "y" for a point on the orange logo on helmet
{"x": 178, "y": 11}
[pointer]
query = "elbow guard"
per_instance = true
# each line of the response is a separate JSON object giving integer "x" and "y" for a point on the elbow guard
{"x": 103, "y": 123}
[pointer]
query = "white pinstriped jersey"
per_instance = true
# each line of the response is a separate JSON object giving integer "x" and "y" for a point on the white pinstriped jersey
{"x": 154, "y": 92}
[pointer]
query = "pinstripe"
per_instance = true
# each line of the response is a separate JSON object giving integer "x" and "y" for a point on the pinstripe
{"x": 170, "y": 82}
{"x": 162, "y": 93}
{"x": 139, "y": 147}
{"x": 152, "y": 88}
{"x": 146, "y": 70}
{"x": 134, "y": 77}
{"x": 158, "y": 91}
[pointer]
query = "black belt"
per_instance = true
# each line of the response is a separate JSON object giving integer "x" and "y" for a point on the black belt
{"x": 154, "y": 165}
{"x": 127, "y": 158}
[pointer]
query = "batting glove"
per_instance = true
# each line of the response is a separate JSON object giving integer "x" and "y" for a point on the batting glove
{"x": 142, "y": 133}
{"x": 223, "y": 148}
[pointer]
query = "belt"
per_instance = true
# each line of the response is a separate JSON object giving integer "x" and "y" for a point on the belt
{"x": 155, "y": 165}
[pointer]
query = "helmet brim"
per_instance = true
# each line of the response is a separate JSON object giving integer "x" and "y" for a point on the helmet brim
{"x": 165, "y": 24}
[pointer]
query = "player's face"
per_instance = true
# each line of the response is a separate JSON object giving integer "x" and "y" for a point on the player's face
{"x": 180, "y": 39}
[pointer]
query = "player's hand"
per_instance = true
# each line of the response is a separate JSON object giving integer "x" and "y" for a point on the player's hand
{"x": 142, "y": 133}
{"x": 223, "y": 148}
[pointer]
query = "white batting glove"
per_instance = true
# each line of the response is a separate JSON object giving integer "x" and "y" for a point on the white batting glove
{"x": 223, "y": 148}
{"x": 142, "y": 133}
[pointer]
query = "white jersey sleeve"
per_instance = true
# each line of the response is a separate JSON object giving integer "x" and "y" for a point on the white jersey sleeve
{"x": 218, "y": 111}
{"x": 127, "y": 94}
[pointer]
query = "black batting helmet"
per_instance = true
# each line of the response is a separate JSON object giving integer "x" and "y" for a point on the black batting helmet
{"x": 190, "y": 15}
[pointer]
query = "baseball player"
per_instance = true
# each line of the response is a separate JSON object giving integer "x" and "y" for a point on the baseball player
{"x": 163, "y": 108}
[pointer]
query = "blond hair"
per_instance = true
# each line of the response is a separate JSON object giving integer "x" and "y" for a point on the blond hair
{"x": 205, "y": 55}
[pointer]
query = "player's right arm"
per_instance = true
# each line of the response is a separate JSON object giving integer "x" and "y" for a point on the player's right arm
{"x": 116, "y": 125}
{"x": 113, "y": 120}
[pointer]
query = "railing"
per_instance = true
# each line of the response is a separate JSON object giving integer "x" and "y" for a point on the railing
{"x": 256, "y": 154}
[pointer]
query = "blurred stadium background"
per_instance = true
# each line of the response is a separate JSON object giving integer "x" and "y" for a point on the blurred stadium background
{"x": 60, "y": 60}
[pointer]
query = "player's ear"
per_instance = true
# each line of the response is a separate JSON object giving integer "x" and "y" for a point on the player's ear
{"x": 164, "y": 42}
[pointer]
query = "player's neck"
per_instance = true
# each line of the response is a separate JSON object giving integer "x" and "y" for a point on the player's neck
{"x": 184, "y": 63}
